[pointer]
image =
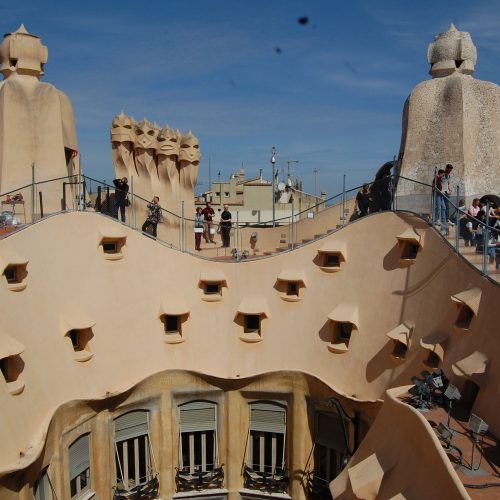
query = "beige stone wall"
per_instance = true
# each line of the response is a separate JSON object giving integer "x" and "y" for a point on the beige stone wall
{"x": 124, "y": 298}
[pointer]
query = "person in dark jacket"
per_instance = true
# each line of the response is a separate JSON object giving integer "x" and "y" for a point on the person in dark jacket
{"x": 121, "y": 197}
{"x": 381, "y": 189}
{"x": 363, "y": 200}
{"x": 154, "y": 216}
{"x": 386, "y": 192}
{"x": 225, "y": 227}
{"x": 465, "y": 224}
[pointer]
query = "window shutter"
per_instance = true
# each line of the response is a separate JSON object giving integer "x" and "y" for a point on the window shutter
{"x": 329, "y": 431}
{"x": 267, "y": 417}
{"x": 79, "y": 456}
{"x": 131, "y": 425}
{"x": 198, "y": 416}
{"x": 42, "y": 487}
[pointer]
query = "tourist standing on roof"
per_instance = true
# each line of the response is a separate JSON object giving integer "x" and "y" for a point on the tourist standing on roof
{"x": 198, "y": 227}
{"x": 448, "y": 190}
{"x": 439, "y": 205}
{"x": 208, "y": 216}
{"x": 363, "y": 200}
{"x": 154, "y": 216}
{"x": 121, "y": 197}
{"x": 386, "y": 191}
{"x": 381, "y": 189}
{"x": 225, "y": 227}
{"x": 464, "y": 224}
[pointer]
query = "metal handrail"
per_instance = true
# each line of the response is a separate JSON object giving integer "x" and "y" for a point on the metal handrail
{"x": 459, "y": 212}
{"x": 268, "y": 222}
{"x": 395, "y": 178}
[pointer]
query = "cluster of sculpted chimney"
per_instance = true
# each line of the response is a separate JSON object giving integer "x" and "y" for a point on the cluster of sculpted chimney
{"x": 162, "y": 162}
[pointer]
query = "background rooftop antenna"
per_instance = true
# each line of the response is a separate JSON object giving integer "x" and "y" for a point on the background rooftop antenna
{"x": 209, "y": 173}
{"x": 288, "y": 167}
{"x": 478, "y": 427}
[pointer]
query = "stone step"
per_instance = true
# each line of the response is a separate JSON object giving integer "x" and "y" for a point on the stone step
{"x": 318, "y": 235}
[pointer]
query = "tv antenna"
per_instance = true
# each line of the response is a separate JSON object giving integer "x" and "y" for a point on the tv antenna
{"x": 478, "y": 427}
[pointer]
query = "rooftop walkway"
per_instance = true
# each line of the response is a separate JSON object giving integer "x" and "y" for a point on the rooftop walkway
{"x": 475, "y": 258}
{"x": 216, "y": 252}
{"x": 486, "y": 455}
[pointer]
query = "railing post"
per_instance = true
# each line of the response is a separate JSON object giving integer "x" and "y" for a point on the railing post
{"x": 457, "y": 222}
{"x": 289, "y": 231}
{"x": 293, "y": 223}
{"x": 433, "y": 197}
{"x": 40, "y": 195}
{"x": 64, "y": 196}
{"x": 33, "y": 198}
{"x": 181, "y": 228}
{"x": 273, "y": 162}
{"x": 486, "y": 239}
{"x": 342, "y": 217}
{"x": 80, "y": 208}
{"x": 393, "y": 187}
{"x": 132, "y": 202}
{"x": 237, "y": 229}
{"x": 98, "y": 202}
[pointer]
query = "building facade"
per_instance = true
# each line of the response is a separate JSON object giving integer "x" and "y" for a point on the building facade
{"x": 252, "y": 199}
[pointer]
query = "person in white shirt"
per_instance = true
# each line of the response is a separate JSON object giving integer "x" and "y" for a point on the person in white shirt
{"x": 447, "y": 190}
{"x": 475, "y": 207}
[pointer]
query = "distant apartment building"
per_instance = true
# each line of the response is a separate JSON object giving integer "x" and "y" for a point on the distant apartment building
{"x": 252, "y": 200}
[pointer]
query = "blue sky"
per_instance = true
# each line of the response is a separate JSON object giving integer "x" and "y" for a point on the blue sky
{"x": 331, "y": 98}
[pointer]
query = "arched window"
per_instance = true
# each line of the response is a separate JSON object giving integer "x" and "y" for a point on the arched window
{"x": 133, "y": 458}
{"x": 198, "y": 443}
{"x": 267, "y": 437}
{"x": 330, "y": 448}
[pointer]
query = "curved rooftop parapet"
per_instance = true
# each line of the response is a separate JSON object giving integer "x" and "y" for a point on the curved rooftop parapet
{"x": 128, "y": 344}
{"x": 391, "y": 458}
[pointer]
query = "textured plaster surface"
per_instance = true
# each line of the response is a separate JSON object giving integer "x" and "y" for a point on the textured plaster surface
{"x": 68, "y": 277}
{"x": 36, "y": 122}
{"x": 452, "y": 118}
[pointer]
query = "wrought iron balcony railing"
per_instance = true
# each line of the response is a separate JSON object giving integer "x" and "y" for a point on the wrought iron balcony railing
{"x": 186, "y": 481}
{"x": 276, "y": 482}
